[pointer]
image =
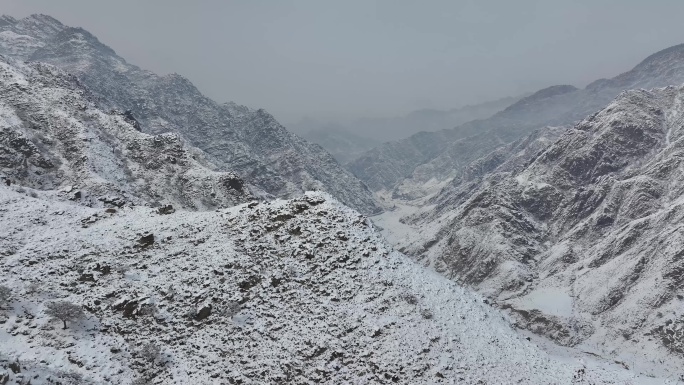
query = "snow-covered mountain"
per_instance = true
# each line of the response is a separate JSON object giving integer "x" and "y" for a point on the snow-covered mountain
{"x": 300, "y": 291}
{"x": 248, "y": 142}
{"x": 53, "y": 135}
{"x": 577, "y": 231}
{"x": 130, "y": 256}
{"x": 412, "y": 167}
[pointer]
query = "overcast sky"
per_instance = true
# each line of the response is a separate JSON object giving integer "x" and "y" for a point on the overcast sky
{"x": 352, "y": 58}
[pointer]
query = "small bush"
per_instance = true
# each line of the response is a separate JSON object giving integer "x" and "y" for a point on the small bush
{"x": 425, "y": 313}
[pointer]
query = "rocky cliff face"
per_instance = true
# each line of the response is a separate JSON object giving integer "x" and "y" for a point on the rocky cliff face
{"x": 442, "y": 155}
{"x": 248, "y": 142}
{"x": 580, "y": 237}
{"x": 54, "y": 136}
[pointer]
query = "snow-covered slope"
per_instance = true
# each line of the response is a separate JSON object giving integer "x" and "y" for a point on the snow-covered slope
{"x": 54, "y": 136}
{"x": 301, "y": 291}
{"x": 581, "y": 237}
{"x": 248, "y": 142}
{"x": 412, "y": 165}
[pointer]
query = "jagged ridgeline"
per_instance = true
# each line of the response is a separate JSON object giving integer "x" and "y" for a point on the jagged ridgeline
{"x": 250, "y": 143}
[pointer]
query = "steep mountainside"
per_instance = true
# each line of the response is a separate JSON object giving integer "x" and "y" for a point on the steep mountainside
{"x": 442, "y": 155}
{"x": 301, "y": 291}
{"x": 53, "y": 136}
{"x": 249, "y": 142}
{"x": 581, "y": 238}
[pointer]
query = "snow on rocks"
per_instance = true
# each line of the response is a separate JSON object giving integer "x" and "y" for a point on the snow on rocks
{"x": 299, "y": 291}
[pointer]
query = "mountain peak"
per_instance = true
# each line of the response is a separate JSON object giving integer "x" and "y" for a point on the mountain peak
{"x": 7, "y": 20}
{"x": 675, "y": 52}
{"x": 41, "y": 22}
{"x": 42, "y": 18}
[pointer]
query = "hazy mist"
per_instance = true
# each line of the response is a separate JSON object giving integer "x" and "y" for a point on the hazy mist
{"x": 348, "y": 59}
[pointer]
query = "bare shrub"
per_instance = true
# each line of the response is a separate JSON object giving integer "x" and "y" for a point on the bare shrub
{"x": 149, "y": 309}
{"x": 65, "y": 311}
{"x": 33, "y": 288}
{"x": 149, "y": 352}
{"x": 122, "y": 269}
{"x": 410, "y": 298}
{"x": 231, "y": 309}
{"x": 5, "y": 295}
{"x": 70, "y": 378}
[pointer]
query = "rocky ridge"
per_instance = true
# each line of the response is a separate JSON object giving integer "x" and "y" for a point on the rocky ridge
{"x": 300, "y": 291}
{"x": 53, "y": 135}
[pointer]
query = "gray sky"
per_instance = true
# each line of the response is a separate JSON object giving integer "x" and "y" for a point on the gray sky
{"x": 352, "y": 58}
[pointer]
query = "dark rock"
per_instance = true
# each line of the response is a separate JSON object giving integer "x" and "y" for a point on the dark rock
{"x": 86, "y": 277}
{"x": 146, "y": 240}
{"x": 165, "y": 210}
{"x": 15, "y": 367}
{"x": 249, "y": 283}
{"x": 203, "y": 312}
{"x": 128, "y": 117}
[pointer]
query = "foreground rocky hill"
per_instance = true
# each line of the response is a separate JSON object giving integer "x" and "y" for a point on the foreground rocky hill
{"x": 248, "y": 142}
{"x": 579, "y": 236}
{"x": 300, "y": 291}
{"x": 411, "y": 168}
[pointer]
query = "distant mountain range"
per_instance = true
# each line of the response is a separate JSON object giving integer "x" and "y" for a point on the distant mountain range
{"x": 409, "y": 166}
{"x": 348, "y": 140}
